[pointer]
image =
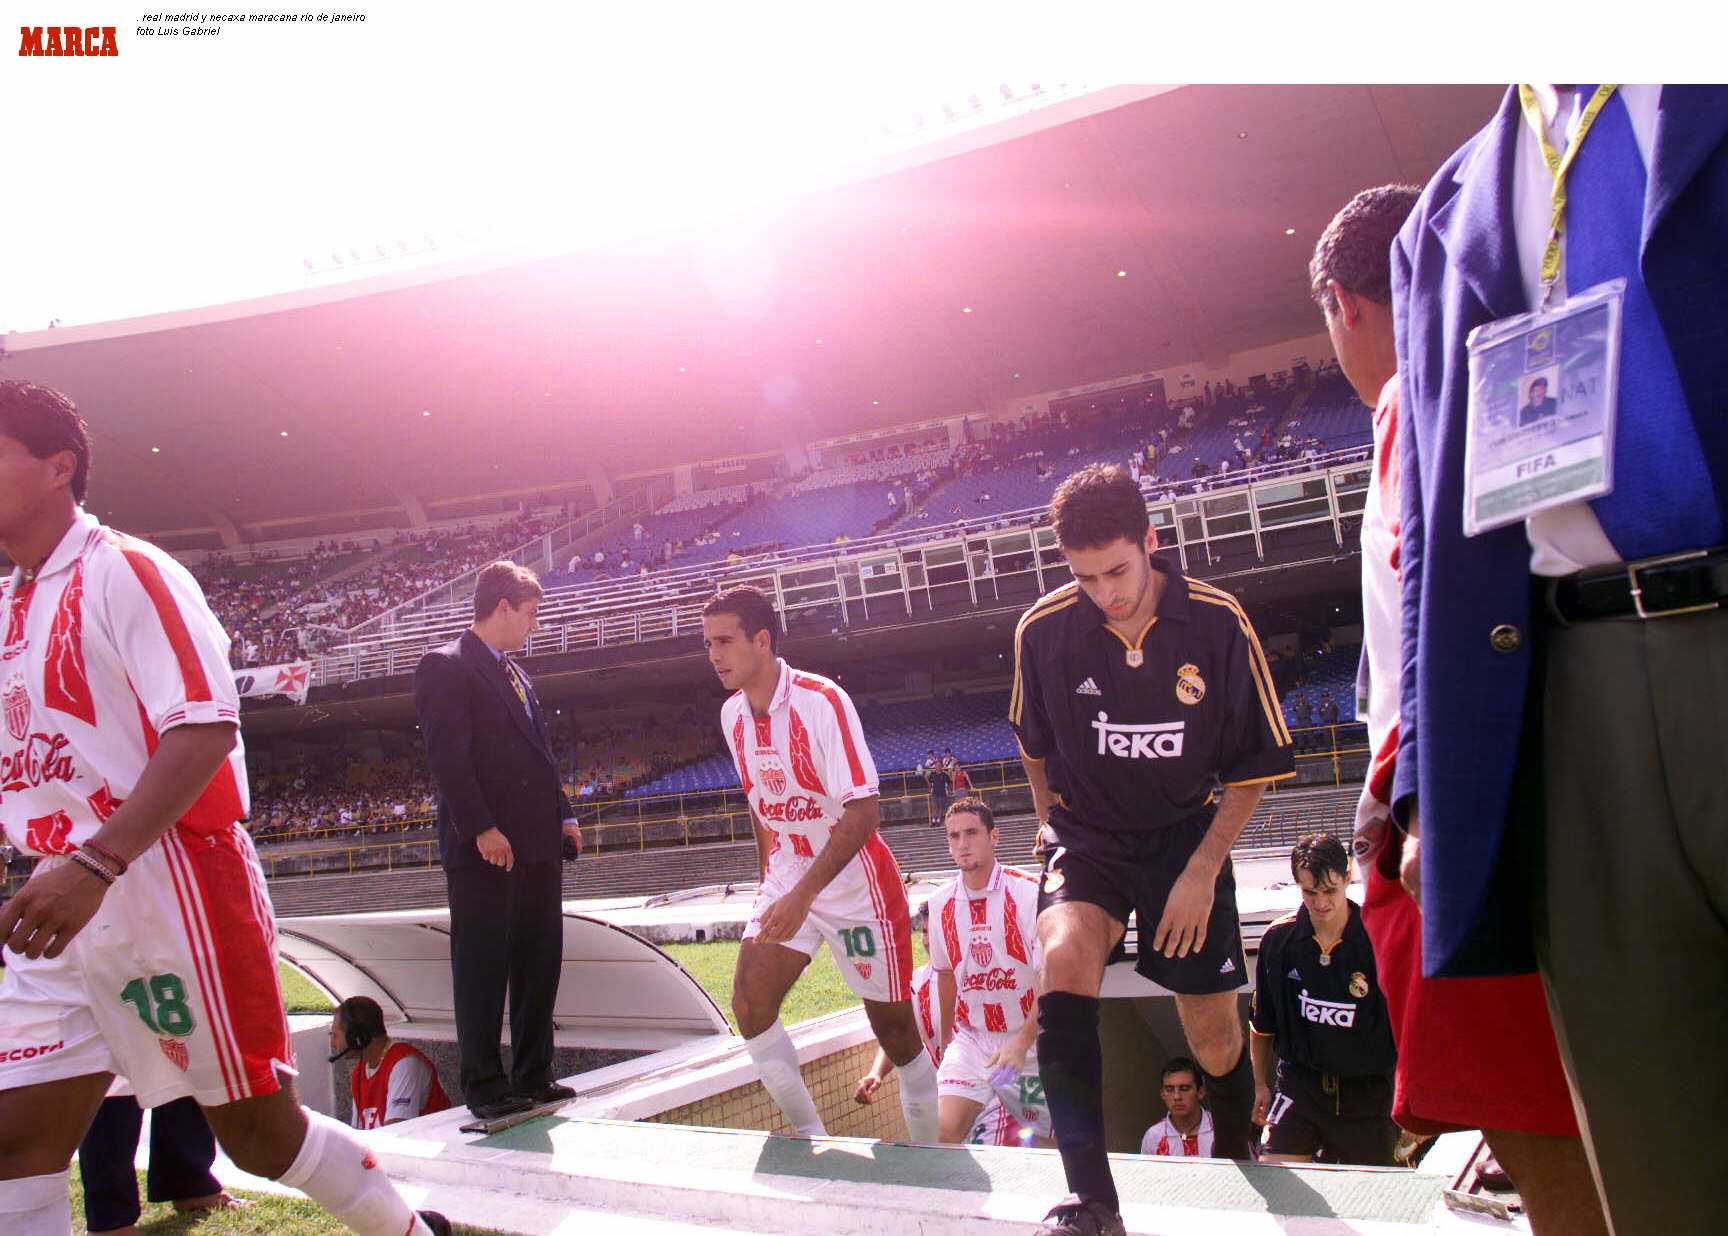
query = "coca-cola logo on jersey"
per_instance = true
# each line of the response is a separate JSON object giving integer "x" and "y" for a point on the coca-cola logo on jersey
{"x": 16, "y": 700}
{"x": 791, "y": 810}
{"x": 41, "y": 759}
{"x": 991, "y": 980}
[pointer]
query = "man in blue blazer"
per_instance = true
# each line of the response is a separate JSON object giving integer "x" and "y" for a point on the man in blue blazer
{"x": 503, "y": 818}
{"x": 1566, "y": 684}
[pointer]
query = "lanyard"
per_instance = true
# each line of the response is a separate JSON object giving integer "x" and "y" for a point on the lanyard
{"x": 1558, "y": 166}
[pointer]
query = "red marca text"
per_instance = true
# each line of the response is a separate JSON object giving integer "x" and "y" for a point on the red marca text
{"x": 67, "y": 41}
{"x": 41, "y": 759}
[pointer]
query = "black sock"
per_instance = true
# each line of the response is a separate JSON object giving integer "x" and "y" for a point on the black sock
{"x": 1230, "y": 1098}
{"x": 1071, "y": 1063}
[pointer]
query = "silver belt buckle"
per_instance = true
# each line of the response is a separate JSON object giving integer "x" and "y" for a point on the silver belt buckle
{"x": 1632, "y": 570}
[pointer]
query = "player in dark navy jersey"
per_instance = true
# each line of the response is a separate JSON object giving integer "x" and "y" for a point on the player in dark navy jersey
{"x": 1149, "y": 728}
{"x": 1319, "y": 1009}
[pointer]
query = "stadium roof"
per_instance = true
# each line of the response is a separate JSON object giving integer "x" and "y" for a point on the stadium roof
{"x": 836, "y": 311}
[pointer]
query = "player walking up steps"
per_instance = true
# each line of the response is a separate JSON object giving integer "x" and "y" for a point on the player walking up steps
{"x": 826, "y": 873}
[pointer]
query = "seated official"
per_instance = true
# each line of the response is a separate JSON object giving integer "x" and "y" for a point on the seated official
{"x": 390, "y": 1081}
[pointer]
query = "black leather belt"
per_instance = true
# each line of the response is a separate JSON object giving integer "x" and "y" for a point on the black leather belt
{"x": 1662, "y": 587}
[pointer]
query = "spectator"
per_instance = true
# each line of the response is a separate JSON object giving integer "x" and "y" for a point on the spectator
{"x": 1328, "y": 709}
{"x": 1186, "y": 1129}
{"x": 939, "y": 782}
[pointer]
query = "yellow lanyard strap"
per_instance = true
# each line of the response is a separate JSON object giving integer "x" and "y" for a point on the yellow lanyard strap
{"x": 1557, "y": 168}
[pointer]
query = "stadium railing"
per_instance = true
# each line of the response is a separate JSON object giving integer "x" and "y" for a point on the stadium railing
{"x": 1337, "y": 755}
{"x": 1273, "y": 517}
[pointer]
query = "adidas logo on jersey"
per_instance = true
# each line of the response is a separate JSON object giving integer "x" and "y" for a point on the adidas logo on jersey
{"x": 1088, "y": 688}
{"x": 1293, "y": 974}
{"x": 1229, "y": 966}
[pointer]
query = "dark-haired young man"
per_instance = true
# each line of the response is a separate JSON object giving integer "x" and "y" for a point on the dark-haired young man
{"x": 390, "y": 1081}
{"x": 984, "y": 951}
{"x": 1186, "y": 1130}
{"x": 143, "y": 943}
{"x": 1137, "y": 691}
{"x": 1319, "y": 1010}
{"x": 1453, "y": 1033}
{"x": 826, "y": 872}
{"x": 503, "y": 820}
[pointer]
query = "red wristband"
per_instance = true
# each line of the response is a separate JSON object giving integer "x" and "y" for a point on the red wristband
{"x": 114, "y": 860}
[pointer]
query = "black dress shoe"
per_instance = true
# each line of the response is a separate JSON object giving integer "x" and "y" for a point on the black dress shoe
{"x": 438, "y": 1223}
{"x": 508, "y": 1105}
{"x": 549, "y": 1092}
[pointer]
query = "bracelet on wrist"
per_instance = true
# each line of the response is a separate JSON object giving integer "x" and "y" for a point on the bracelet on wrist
{"x": 114, "y": 862}
{"x": 94, "y": 866}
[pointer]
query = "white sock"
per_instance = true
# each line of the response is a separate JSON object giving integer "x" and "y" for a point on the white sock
{"x": 335, "y": 1169}
{"x": 37, "y": 1205}
{"x": 918, "y": 1098}
{"x": 777, "y": 1065}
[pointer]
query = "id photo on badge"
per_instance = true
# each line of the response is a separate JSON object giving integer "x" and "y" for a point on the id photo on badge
{"x": 1541, "y": 409}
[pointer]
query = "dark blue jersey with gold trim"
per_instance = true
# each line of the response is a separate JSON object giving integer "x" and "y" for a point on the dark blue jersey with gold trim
{"x": 1138, "y": 736}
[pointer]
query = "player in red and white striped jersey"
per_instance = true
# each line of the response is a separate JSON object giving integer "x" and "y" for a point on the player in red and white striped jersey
{"x": 826, "y": 872}
{"x": 144, "y": 943}
{"x": 984, "y": 949}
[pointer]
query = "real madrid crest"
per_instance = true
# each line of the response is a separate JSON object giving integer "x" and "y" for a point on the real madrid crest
{"x": 1190, "y": 687}
{"x": 1053, "y": 879}
{"x": 1359, "y": 985}
{"x": 1135, "y": 658}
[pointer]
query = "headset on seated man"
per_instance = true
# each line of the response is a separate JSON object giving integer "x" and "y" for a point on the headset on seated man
{"x": 360, "y": 1020}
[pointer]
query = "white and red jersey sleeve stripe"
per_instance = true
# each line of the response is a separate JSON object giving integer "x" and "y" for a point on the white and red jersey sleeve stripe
{"x": 842, "y": 758}
{"x": 174, "y": 650}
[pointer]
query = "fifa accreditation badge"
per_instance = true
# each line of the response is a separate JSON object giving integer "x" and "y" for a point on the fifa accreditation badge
{"x": 1359, "y": 985}
{"x": 1190, "y": 687}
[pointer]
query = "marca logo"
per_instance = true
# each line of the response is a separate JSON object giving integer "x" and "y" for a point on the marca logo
{"x": 792, "y": 810}
{"x": 67, "y": 41}
{"x": 1161, "y": 741}
{"x": 29, "y": 1053}
{"x": 1326, "y": 1012}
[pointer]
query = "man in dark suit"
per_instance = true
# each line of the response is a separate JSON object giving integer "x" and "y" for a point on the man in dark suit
{"x": 503, "y": 821}
{"x": 1564, "y": 692}
{"x": 1539, "y": 407}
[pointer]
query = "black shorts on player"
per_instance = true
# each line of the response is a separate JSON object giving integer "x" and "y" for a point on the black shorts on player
{"x": 1335, "y": 1119}
{"x": 1135, "y": 872}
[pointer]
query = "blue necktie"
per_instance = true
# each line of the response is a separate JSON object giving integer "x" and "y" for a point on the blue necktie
{"x": 1663, "y": 499}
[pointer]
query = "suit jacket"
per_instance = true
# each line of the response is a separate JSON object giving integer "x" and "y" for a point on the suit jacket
{"x": 492, "y": 764}
{"x": 1454, "y": 267}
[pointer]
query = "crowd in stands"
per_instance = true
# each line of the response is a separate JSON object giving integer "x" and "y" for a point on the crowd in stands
{"x": 276, "y": 612}
{"x": 283, "y": 610}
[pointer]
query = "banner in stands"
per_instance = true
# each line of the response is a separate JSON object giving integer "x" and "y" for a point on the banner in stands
{"x": 293, "y": 680}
